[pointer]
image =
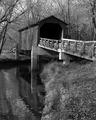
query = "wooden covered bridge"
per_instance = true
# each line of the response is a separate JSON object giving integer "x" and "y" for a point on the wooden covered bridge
{"x": 49, "y": 37}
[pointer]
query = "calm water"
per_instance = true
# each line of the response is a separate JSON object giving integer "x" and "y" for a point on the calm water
{"x": 15, "y": 93}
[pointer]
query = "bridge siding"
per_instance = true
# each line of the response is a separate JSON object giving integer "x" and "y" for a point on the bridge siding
{"x": 29, "y": 38}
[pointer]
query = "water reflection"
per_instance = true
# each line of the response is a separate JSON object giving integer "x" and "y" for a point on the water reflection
{"x": 15, "y": 91}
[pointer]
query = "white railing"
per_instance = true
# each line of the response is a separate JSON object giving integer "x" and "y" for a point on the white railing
{"x": 83, "y": 49}
{"x": 49, "y": 43}
{"x": 72, "y": 46}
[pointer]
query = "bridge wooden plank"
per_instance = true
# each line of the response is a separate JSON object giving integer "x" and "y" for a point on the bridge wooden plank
{"x": 71, "y": 40}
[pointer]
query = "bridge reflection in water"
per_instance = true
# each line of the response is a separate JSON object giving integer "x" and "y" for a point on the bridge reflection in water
{"x": 16, "y": 99}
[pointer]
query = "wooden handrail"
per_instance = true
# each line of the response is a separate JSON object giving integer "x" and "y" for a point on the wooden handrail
{"x": 49, "y": 43}
{"x": 79, "y": 48}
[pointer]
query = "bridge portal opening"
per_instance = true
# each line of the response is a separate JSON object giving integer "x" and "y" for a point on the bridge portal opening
{"x": 51, "y": 31}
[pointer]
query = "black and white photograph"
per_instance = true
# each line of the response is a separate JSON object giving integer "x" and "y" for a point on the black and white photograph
{"x": 47, "y": 59}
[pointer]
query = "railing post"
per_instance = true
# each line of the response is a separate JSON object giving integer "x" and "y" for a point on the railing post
{"x": 63, "y": 56}
{"x": 91, "y": 52}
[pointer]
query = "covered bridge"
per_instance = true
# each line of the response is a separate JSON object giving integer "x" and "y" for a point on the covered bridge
{"x": 50, "y": 28}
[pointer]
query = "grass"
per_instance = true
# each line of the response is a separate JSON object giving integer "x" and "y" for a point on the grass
{"x": 70, "y": 91}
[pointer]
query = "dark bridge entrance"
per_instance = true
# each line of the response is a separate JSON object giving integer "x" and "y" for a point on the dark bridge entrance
{"x": 51, "y": 31}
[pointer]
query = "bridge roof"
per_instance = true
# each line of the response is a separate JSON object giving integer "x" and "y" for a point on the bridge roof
{"x": 50, "y": 18}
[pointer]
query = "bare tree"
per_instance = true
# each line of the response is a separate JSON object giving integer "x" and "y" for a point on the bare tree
{"x": 91, "y": 11}
{"x": 13, "y": 9}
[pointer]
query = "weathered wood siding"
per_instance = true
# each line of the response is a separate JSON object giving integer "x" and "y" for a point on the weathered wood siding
{"x": 29, "y": 37}
{"x": 35, "y": 36}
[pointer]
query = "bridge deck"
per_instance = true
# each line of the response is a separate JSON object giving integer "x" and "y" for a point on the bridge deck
{"x": 82, "y": 49}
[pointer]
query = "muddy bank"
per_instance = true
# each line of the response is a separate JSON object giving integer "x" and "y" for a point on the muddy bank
{"x": 70, "y": 91}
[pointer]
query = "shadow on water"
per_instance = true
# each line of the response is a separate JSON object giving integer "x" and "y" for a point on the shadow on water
{"x": 8, "y": 64}
{"x": 24, "y": 67}
{"x": 23, "y": 79}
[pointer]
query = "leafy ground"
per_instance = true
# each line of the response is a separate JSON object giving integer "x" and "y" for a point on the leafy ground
{"x": 70, "y": 91}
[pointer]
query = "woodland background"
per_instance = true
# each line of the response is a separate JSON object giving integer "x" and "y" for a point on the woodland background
{"x": 75, "y": 84}
{"x": 15, "y": 14}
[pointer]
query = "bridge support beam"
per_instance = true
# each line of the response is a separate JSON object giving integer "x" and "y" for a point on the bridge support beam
{"x": 66, "y": 58}
{"x": 34, "y": 74}
{"x": 35, "y": 53}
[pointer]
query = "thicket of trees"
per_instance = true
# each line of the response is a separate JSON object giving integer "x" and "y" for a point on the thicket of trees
{"x": 79, "y": 14}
